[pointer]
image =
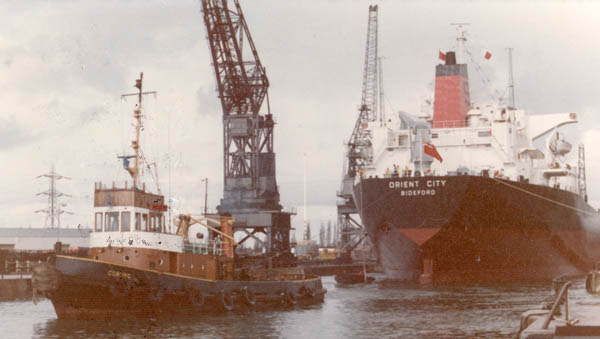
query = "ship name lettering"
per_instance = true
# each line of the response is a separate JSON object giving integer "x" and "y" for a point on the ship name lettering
{"x": 436, "y": 183}
{"x": 404, "y": 184}
{"x": 410, "y": 193}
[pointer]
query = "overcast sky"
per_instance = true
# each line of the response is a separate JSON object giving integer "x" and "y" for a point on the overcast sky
{"x": 64, "y": 64}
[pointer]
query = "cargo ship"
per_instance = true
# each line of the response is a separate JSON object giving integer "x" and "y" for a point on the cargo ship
{"x": 475, "y": 192}
{"x": 136, "y": 266}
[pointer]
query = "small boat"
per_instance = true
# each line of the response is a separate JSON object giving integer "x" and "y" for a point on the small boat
{"x": 353, "y": 278}
{"x": 136, "y": 266}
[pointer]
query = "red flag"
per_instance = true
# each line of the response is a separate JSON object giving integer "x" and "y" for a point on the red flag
{"x": 488, "y": 55}
{"x": 442, "y": 56}
{"x": 429, "y": 149}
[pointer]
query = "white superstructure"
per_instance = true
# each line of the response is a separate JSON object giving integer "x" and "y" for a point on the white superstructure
{"x": 493, "y": 141}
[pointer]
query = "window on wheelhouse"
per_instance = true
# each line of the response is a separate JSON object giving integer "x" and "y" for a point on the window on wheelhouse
{"x": 145, "y": 222}
{"x": 159, "y": 224}
{"x": 98, "y": 225}
{"x": 112, "y": 222}
{"x": 138, "y": 222}
{"x": 125, "y": 221}
{"x": 152, "y": 223}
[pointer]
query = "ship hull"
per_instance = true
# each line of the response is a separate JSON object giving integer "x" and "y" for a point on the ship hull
{"x": 92, "y": 289}
{"x": 469, "y": 228}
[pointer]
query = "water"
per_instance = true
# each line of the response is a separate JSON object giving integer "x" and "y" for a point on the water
{"x": 378, "y": 310}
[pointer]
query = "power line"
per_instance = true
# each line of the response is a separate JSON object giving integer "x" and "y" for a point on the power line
{"x": 54, "y": 209}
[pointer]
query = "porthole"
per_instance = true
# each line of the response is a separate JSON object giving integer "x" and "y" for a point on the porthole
{"x": 126, "y": 257}
{"x": 160, "y": 261}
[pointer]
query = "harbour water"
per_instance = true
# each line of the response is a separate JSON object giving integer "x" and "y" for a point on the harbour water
{"x": 378, "y": 310}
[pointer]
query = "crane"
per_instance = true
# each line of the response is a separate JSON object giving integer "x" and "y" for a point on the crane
{"x": 359, "y": 148}
{"x": 250, "y": 194}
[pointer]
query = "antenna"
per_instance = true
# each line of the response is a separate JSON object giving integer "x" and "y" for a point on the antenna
{"x": 381, "y": 99}
{"x": 511, "y": 84}
{"x": 306, "y": 231}
{"x": 581, "y": 182}
{"x": 135, "y": 144}
{"x": 54, "y": 209}
{"x": 461, "y": 40}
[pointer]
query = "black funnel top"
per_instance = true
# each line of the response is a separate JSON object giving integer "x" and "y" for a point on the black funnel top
{"x": 450, "y": 58}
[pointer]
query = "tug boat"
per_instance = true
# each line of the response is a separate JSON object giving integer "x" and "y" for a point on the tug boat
{"x": 136, "y": 266}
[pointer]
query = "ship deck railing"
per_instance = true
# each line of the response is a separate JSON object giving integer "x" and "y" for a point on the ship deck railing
{"x": 449, "y": 124}
{"x": 213, "y": 247}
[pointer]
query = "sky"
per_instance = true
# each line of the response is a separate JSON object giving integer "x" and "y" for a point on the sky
{"x": 64, "y": 65}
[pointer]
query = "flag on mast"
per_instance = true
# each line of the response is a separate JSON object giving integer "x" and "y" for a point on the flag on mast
{"x": 429, "y": 149}
{"x": 487, "y": 55}
{"x": 442, "y": 56}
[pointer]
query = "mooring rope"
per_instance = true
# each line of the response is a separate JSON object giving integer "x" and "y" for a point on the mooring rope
{"x": 543, "y": 197}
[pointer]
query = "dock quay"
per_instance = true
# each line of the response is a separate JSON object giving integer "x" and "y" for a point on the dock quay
{"x": 15, "y": 273}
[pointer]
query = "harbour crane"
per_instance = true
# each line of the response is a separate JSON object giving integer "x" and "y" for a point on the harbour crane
{"x": 250, "y": 192}
{"x": 359, "y": 148}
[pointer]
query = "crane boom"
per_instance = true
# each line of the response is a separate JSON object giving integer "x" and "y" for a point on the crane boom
{"x": 249, "y": 160}
{"x": 359, "y": 147}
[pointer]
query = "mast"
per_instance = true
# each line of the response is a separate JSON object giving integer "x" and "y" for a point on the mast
{"x": 382, "y": 120}
{"x": 461, "y": 41}
{"x": 135, "y": 144}
{"x": 305, "y": 237}
{"x": 511, "y": 84}
{"x": 581, "y": 181}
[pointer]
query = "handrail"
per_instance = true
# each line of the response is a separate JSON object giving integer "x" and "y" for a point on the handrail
{"x": 563, "y": 291}
{"x": 449, "y": 123}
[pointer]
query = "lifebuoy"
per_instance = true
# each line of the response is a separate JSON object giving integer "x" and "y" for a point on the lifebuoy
{"x": 226, "y": 301}
{"x": 249, "y": 296}
{"x": 290, "y": 298}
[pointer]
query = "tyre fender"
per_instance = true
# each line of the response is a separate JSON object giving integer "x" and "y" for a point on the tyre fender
{"x": 290, "y": 297}
{"x": 249, "y": 296}
{"x": 196, "y": 299}
{"x": 226, "y": 301}
{"x": 307, "y": 292}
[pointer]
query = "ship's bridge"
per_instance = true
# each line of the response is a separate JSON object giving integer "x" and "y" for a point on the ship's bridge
{"x": 131, "y": 217}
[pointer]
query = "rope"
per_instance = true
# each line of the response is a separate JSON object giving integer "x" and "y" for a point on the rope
{"x": 544, "y": 198}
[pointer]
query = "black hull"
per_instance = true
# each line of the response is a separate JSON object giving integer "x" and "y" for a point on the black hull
{"x": 91, "y": 289}
{"x": 468, "y": 228}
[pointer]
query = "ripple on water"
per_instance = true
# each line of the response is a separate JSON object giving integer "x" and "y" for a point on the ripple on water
{"x": 378, "y": 310}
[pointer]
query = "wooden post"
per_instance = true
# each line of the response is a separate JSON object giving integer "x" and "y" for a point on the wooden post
{"x": 226, "y": 228}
